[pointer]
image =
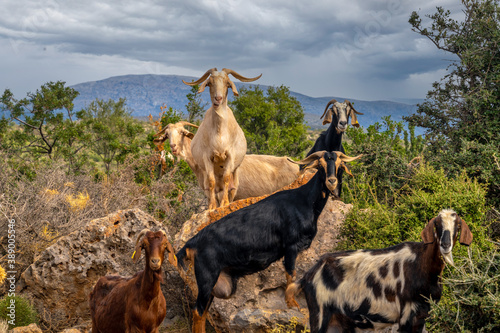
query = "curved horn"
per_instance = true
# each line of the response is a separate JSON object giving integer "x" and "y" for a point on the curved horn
{"x": 344, "y": 158}
{"x": 240, "y": 77}
{"x": 186, "y": 123}
{"x": 161, "y": 131}
{"x": 333, "y": 101}
{"x": 142, "y": 233}
{"x": 202, "y": 78}
{"x": 309, "y": 158}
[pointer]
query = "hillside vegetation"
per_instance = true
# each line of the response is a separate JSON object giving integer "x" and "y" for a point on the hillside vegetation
{"x": 63, "y": 166}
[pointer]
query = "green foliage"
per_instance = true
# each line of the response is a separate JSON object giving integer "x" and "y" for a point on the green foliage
{"x": 25, "y": 313}
{"x": 40, "y": 118}
{"x": 372, "y": 224}
{"x": 387, "y": 149}
{"x": 112, "y": 133}
{"x": 461, "y": 112}
{"x": 273, "y": 123}
{"x": 471, "y": 297}
{"x": 195, "y": 107}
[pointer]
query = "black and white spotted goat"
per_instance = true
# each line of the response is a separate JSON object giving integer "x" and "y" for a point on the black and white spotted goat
{"x": 373, "y": 289}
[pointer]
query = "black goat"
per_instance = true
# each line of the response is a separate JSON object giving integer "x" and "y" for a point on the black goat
{"x": 373, "y": 289}
{"x": 331, "y": 139}
{"x": 252, "y": 238}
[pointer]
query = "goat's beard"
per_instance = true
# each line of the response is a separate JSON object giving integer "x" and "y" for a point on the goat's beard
{"x": 448, "y": 258}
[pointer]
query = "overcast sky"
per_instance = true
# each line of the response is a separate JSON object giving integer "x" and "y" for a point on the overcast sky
{"x": 362, "y": 49}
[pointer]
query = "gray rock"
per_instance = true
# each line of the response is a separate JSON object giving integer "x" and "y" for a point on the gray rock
{"x": 61, "y": 278}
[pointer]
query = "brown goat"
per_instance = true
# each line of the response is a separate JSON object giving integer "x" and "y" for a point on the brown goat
{"x": 133, "y": 304}
{"x": 220, "y": 145}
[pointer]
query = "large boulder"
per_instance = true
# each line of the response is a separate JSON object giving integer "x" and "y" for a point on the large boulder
{"x": 259, "y": 302}
{"x": 61, "y": 278}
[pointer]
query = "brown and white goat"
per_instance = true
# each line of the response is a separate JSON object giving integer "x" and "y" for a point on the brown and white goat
{"x": 219, "y": 145}
{"x": 133, "y": 304}
{"x": 258, "y": 174}
{"x": 372, "y": 289}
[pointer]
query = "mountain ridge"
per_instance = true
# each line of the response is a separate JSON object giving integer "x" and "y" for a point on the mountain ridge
{"x": 146, "y": 93}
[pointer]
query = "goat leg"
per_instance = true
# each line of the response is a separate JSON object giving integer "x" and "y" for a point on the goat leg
{"x": 290, "y": 297}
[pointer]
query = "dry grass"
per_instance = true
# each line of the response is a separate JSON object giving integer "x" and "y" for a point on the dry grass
{"x": 54, "y": 204}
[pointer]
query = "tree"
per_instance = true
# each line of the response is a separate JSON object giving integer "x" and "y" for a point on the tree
{"x": 273, "y": 123}
{"x": 195, "y": 106}
{"x": 113, "y": 132}
{"x": 461, "y": 112}
{"x": 44, "y": 118}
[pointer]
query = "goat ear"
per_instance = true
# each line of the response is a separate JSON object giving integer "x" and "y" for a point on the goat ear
{"x": 428, "y": 232}
{"x": 352, "y": 113}
{"x": 137, "y": 252}
{"x": 344, "y": 166}
{"x": 188, "y": 134}
{"x": 465, "y": 233}
{"x": 233, "y": 88}
{"x": 328, "y": 117}
{"x": 171, "y": 254}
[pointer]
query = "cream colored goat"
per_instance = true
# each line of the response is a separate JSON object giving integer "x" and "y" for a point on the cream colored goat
{"x": 219, "y": 145}
{"x": 258, "y": 174}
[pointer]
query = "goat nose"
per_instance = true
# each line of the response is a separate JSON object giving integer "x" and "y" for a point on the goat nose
{"x": 155, "y": 261}
{"x": 343, "y": 123}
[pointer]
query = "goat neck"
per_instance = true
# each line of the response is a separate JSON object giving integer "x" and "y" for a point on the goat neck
{"x": 150, "y": 284}
{"x": 317, "y": 191}
{"x": 334, "y": 135}
{"x": 432, "y": 262}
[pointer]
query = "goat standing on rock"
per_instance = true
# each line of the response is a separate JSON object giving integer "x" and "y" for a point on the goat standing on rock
{"x": 331, "y": 139}
{"x": 219, "y": 145}
{"x": 373, "y": 289}
{"x": 258, "y": 174}
{"x": 133, "y": 304}
{"x": 252, "y": 238}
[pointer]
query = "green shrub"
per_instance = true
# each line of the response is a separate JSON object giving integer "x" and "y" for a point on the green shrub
{"x": 372, "y": 224}
{"x": 471, "y": 298}
{"x": 24, "y": 312}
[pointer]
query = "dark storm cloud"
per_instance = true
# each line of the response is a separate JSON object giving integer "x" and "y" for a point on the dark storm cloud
{"x": 366, "y": 39}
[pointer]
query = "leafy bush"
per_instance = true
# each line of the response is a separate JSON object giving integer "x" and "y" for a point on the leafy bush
{"x": 471, "y": 297}
{"x": 372, "y": 224}
{"x": 387, "y": 150}
{"x": 25, "y": 313}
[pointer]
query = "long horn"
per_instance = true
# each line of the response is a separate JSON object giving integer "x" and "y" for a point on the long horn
{"x": 333, "y": 101}
{"x": 344, "y": 158}
{"x": 186, "y": 123}
{"x": 161, "y": 131}
{"x": 309, "y": 158}
{"x": 240, "y": 77}
{"x": 201, "y": 79}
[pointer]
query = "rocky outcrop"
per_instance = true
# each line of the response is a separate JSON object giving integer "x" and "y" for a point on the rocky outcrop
{"x": 31, "y": 328}
{"x": 61, "y": 278}
{"x": 259, "y": 302}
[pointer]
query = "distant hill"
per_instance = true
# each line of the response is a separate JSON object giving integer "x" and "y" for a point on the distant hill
{"x": 146, "y": 93}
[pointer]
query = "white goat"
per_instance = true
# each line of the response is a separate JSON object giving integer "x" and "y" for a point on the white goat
{"x": 220, "y": 145}
{"x": 258, "y": 174}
